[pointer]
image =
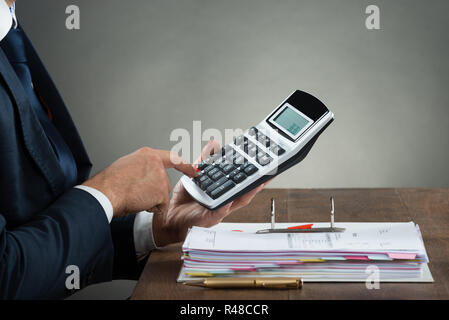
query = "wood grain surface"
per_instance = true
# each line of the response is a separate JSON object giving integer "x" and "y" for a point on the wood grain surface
{"x": 429, "y": 208}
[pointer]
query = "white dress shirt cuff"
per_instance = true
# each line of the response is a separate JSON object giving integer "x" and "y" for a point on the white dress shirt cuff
{"x": 143, "y": 233}
{"x": 102, "y": 199}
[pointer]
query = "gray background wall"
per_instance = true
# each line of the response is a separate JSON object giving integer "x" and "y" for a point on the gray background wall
{"x": 139, "y": 69}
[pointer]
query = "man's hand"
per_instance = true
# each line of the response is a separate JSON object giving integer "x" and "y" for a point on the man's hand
{"x": 139, "y": 182}
{"x": 184, "y": 212}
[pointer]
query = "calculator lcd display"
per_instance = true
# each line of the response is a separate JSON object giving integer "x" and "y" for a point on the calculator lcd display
{"x": 291, "y": 121}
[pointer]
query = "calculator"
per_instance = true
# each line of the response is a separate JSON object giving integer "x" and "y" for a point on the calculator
{"x": 280, "y": 141}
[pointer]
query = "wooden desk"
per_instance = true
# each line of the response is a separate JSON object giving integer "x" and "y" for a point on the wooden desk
{"x": 427, "y": 207}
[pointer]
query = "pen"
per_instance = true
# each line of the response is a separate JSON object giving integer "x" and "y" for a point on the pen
{"x": 241, "y": 283}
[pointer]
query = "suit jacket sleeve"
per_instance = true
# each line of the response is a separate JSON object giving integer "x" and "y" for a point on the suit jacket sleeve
{"x": 33, "y": 257}
{"x": 126, "y": 264}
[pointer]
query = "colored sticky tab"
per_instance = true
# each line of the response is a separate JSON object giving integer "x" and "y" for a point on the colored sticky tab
{"x": 244, "y": 269}
{"x": 199, "y": 274}
{"x": 356, "y": 258}
{"x": 287, "y": 262}
{"x": 334, "y": 258}
{"x": 379, "y": 257}
{"x": 403, "y": 256}
{"x": 311, "y": 260}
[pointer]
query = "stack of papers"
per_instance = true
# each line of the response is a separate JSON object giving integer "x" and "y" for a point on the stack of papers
{"x": 394, "y": 251}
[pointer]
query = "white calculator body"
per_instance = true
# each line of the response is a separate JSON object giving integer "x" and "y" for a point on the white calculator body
{"x": 280, "y": 141}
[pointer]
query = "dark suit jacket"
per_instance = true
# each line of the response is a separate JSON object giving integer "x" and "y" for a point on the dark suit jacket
{"x": 44, "y": 227}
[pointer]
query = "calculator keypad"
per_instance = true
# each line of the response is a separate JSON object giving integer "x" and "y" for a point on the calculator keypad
{"x": 226, "y": 169}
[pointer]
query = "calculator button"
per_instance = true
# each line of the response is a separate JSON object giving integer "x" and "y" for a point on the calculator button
{"x": 213, "y": 171}
{"x": 239, "y": 140}
{"x": 216, "y": 184}
{"x": 250, "y": 170}
{"x": 226, "y": 149}
{"x": 252, "y": 152}
{"x": 261, "y": 137}
{"x": 228, "y": 168}
{"x": 264, "y": 140}
{"x": 253, "y": 131}
{"x": 234, "y": 173}
{"x": 267, "y": 142}
{"x": 217, "y": 176}
{"x": 244, "y": 145}
{"x": 239, "y": 177}
{"x": 264, "y": 160}
{"x": 239, "y": 161}
{"x": 203, "y": 165}
{"x": 206, "y": 183}
{"x": 222, "y": 189}
{"x": 201, "y": 177}
{"x": 277, "y": 150}
{"x": 215, "y": 157}
{"x": 246, "y": 164}
{"x": 227, "y": 159}
{"x": 223, "y": 164}
{"x": 209, "y": 168}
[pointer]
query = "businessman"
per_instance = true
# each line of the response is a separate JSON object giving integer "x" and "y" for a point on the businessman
{"x": 51, "y": 214}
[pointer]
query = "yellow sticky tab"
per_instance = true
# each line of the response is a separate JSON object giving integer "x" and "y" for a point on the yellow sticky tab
{"x": 199, "y": 274}
{"x": 311, "y": 260}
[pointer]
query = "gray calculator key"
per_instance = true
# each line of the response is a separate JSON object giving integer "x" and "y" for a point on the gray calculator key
{"x": 244, "y": 144}
{"x": 215, "y": 185}
{"x": 218, "y": 192}
{"x": 206, "y": 183}
{"x": 252, "y": 152}
{"x": 239, "y": 161}
{"x": 223, "y": 164}
{"x": 234, "y": 173}
{"x": 277, "y": 150}
{"x": 266, "y": 142}
{"x": 209, "y": 168}
{"x": 203, "y": 165}
{"x": 245, "y": 165}
{"x": 239, "y": 177}
{"x": 250, "y": 170}
{"x": 228, "y": 168}
{"x": 228, "y": 159}
{"x": 253, "y": 131}
{"x": 201, "y": 177}
{"x": 226, "y": 149}
{"x": 264, "y": 160}
{"x": 217, "y": 176}
{"x": 239, "y": 140}
{"x": 213, "y": 171}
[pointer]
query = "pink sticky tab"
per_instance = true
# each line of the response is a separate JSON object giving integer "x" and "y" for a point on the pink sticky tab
{"x": 407, "y": 256}
{"x": 356, "y": 258}
{"x": 244, "y": 269}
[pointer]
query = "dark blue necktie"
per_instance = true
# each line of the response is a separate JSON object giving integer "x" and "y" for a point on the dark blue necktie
{"x": 14, "y": 47}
